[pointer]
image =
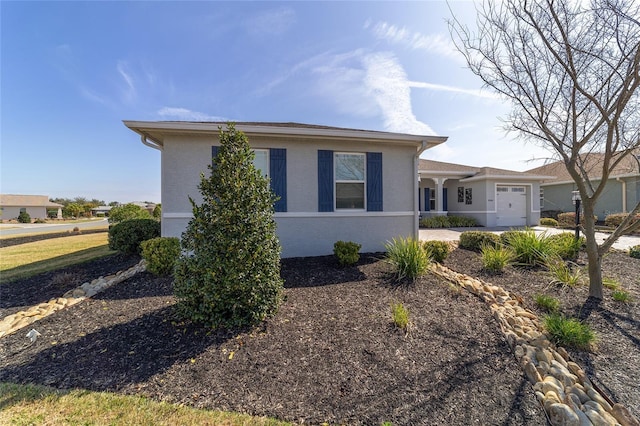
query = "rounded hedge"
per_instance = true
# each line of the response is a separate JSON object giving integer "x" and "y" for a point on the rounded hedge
{"x": 474, "y": 240}
{"x": 126, "y": 236}
{"x": 161, "y": 254}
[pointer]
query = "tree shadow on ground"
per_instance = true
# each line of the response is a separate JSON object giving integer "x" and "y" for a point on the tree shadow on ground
{"x": 323, "y": 270}
{"x": 111, "y": 357}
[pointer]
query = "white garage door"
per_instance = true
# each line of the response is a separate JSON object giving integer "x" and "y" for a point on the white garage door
{"x": 512, "y": 206}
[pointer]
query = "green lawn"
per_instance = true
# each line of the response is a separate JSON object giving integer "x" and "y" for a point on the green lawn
{"x": 29, "y": 259}
{"x": 39, "y": 405}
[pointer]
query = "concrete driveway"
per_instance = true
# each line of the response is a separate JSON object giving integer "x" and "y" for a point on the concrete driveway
{"x": 453, "y": 234}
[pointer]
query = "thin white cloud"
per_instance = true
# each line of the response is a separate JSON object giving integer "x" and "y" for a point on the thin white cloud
{"x": 388, "y": 83}
{"x": 443, "y": 88}
{"x": 436, "y": 43}
{"x": 273, "y": 22}
{"x": 129, "y": 93}
{"x": 184, "y": 114}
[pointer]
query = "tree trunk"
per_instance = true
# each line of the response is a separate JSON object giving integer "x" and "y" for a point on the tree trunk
{"x": 593, "y": 253}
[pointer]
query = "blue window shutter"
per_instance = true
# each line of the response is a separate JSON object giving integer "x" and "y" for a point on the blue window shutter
{"x": 427, "y": 200}
{"x": 214, "y": 154}
{"x": 374, "y": 181}
{"x": 325, "y": 181}
{"x": 278, "y": 175}
{"x": 445, "y": 203}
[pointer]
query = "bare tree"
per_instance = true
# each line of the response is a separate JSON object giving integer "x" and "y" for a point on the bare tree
{"x": 571, "y": 72}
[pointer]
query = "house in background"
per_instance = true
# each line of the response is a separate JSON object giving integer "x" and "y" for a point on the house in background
{"x": 621, "y": 193}
{"x": 494, "y": 197}
{"x": 36, "y": 206}
{"x": 333, "y": 183}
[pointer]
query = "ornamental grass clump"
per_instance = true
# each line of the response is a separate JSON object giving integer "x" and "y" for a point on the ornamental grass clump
{"x": 566, "y": 245}
{"x": 531, "y": 249}
{"x": 496, "y": 258}
{"x": 400, "y": 315}
{"x": 229, "y": 272}
{"x": 621, "y": 296}
{"x": 408, "y": 257}
{"x": 547, "y": 303}
{"x": 569, "y": 332}
{"x": 562, "y": 272}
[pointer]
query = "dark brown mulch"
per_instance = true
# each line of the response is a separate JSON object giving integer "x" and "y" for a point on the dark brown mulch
{"x": 21, "y": 294}
{"x": 331, "y": 354}
{"x": 614, "y": 365}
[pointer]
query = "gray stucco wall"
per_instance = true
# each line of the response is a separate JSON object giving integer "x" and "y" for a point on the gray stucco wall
{"x": 302, "y": 230}
{"x": 11, "y": 212}
{"x": 558, "y": 197}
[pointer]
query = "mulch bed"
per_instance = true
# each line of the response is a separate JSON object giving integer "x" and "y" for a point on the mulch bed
{"x": 331, "y": 354}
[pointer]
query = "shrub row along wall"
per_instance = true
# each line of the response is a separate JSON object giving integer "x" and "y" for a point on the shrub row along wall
{"x": 12, "y": 323}
{"x": 561, "y": 386}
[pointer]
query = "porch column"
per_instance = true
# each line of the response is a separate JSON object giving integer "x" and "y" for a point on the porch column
{"x": 439, "y": 201}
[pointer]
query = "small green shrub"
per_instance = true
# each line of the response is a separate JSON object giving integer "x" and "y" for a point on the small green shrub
{"x": 565, "y": 245}
{"x": 161, "y": 254}
{"x": 24, "y": 217}
{"x": 496, "y": 258}
{"x": 346, "y": 252}
{"x": 437, "y": 250}
{"x": 562, "y": 272}
{"x": 548, "y": 221}
{"x": 615, "y": 219}
{"x": 408, "y": 257}
{"x": 569, "y": 332}
{"x": 610, "y": 283}
{"x": 435, "y": 222}
{"x": 474, "y": 240}
{"x": 126, "y": 236}
{"x": 621, "y": 296}
{"x": 635, "y": 252}
{"x": 548, "y": 303}
{"x": 462, "y": 222}
{"x": 400, "y": 315}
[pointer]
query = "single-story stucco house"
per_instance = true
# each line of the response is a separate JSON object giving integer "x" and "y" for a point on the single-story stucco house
{"x": 494, "y": 197}
{"x": 333, "y": 183}
{"x": 36, "y": 206}
{"x": 621, "y": 193}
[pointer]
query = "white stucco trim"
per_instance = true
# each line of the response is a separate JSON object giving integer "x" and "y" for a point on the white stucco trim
{"x": 310, "y": 214}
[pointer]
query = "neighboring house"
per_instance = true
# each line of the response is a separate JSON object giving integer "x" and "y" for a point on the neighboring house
{"x": 494, "y": 197}
{"x": 621, "y": 193}
{"x": 101, "y": 211}
{"x": 333, "y": 183}
{"x": 35, "y": 205}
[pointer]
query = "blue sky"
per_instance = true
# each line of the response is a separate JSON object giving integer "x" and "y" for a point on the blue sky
{"x": 72, "y": 71}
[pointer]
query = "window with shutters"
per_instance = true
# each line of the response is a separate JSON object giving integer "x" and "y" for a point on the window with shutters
{"x": 349, "y": 181}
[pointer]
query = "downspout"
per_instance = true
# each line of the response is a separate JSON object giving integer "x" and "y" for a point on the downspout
{"x": 416, "y": 188}
{"x": 624, "y": 194}
{"x": 153, "y": 145}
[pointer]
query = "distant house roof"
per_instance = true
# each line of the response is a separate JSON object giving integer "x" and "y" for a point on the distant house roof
{"x": 154, "y": 132}
{"x": 430, "y": 168}
{"x": 629, "y": 166}
{"x": 11, "y": 200}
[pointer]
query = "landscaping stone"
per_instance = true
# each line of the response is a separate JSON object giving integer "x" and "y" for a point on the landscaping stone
{"x": 12, "y": 323}
{"x": 560, "y": 385}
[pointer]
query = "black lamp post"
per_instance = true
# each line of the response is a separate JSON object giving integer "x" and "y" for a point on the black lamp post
{"x": 575, "y": 197}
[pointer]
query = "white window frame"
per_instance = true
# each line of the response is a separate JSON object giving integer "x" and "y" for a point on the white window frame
{"x": 541, "y": 198}
{"x": 336, "y": 181}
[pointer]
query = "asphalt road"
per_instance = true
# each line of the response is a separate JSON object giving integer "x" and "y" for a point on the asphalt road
{"x": 31, "y": 228}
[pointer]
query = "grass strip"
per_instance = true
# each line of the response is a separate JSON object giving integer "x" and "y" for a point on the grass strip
{"x": 39, "y": 405}
{"x": 29, "y": 259}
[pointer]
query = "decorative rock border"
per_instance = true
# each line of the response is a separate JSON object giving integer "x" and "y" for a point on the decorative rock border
{"x": 15, "y": 322}
{"x": 560, "y": 385}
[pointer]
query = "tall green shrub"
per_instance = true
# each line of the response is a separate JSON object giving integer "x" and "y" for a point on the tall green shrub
{"x": 24, "y": 217}
{"x": 127, "y": 212}
{"x": 229, "y": 274}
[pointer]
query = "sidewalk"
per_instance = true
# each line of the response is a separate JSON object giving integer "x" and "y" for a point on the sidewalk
{"x": 453, "y": 234}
